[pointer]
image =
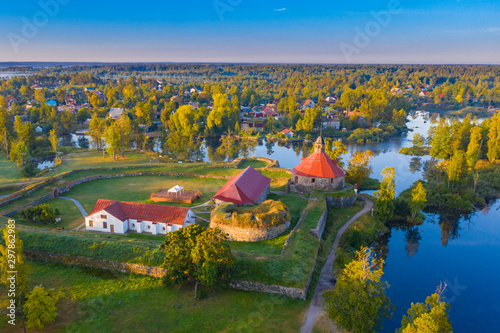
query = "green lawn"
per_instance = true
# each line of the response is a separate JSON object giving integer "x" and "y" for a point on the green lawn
{"x": 139, "y": 188}
{"x": 70, "y": 215}
{"x": 9, "y": 172}
{"x": 256, "y": 164}
{"x": 111, "y": 302}
{"x": 93, "y": 159}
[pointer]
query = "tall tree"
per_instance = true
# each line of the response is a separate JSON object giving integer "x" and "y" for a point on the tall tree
{"x": 359, "y": 303}
{"x": 474, "y": 147}
{"x": 97, "y": 129}
{"x": 10, "y": 252}
{"x": 429, "y": 317}
{"x": 199, "y": 254}
{"x": 54, "y": 140}
{"x": 40, "y": 308}
{"x": 123, "y": 128}
{"x": 359, "y": 169}
{"x": 457, "y": 167}
{"x": 385, "y": 195}
{"x": 418, "y": 199}
{"x": 494, "y": 138}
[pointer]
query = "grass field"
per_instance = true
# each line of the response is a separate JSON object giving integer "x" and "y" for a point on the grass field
{"x": 9, "y": 172}
{"x": 93, "y": 159}
{"x": 130, "y": 303}
{"x": 139, "y": 188}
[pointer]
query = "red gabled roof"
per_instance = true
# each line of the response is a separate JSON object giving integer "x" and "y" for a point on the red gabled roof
{"x": 243, "y": 188}
{"x": 318, "y": 165}
{"x": 140, "y": 211}
{"x": 285, "y": 131}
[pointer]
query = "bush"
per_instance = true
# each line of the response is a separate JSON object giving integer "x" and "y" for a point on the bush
{"x": 29, "y": 171}
{"x": 42, "y": 213}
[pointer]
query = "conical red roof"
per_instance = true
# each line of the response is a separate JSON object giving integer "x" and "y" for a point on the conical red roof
{"x": 243, "y": 188}
{"x": 320, "y": 165}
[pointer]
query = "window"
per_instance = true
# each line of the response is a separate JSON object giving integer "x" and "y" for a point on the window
{"x": 313, "y": 180}
{"x": 105, "y": 225}
{"x": 163, "y": 228}
{"x": 133, "y": 225}
{"x": 104, "y": 216}
{"x": 91, "y": 223}
{"x": 296, "y": 179}
{"x": 331, "y": 180}
{"x": 149, "y": 227}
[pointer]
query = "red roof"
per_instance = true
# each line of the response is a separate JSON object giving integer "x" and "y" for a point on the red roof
{"x": 244, "y": 188}
{"x": 318, "y": 165}
{"x": 141, "y": 212}
{"x": 285, "y": 131}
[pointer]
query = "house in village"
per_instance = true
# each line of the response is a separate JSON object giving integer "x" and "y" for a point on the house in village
{"x": 51, "y": 103}
{"x": 115, "y": 113}
{"x": 194, "y": 105}
{"x": 252, "y": 126}
{"x": 331, "y": 121}
{"x": 287, "y": 133}
{"x": 331, "y": 100}
{"x": 121, "y": 217}
{"x": 176, "y": 99}
{"x": 307, "y": 104}
{"x": 39, "y": 129}
{"x": 247, "y": 187}
{"x": 317, "y": 172}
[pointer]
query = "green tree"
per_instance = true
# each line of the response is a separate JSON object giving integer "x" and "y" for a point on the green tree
{"x": 418, "y": 141}
{"x": 335, "y": 149}
{"x": 418, "y": 199}
{"x": 66, "y": 120}
{"x": 494, "y": 138}
{"x": 54, "y": 140}
{"x": 385, "y": 195}
{"x": 431, "y": 317}
{"x": 399, "y": 117}
{"x": 474, "y": 148}
{"x": 223, "y": 117}
{"x": 359, "y": 169}
{"x": 198, "y": 254}
{"x": 82, "y": 116}
{"x": 13, "y": 251}
{"x": 228, "y": 147}
{"x": 440, "y": 137}
{"x": 112, "y": 140}
{"x": 359, "y": 303}
{"x": 40, "y": 308}
{"x": 123, "y": 129}
{"x": 97, "y": 129}
{"x": 457, "y": 167}
{"x": 19, "y": 153}
{"x": 186, "y": 121}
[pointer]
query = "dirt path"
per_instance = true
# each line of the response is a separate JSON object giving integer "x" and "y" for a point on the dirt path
{"x": 326, "y": 279}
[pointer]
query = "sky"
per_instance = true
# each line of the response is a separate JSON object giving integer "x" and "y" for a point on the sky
{"x": 257, "y": 31}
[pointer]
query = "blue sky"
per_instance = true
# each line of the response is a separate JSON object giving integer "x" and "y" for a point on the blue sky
{"x": 406, "y": 31}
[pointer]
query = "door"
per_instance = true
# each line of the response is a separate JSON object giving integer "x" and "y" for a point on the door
{"x": 112, "y": 228}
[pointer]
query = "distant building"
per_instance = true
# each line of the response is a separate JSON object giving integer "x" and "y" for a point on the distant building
{"x": 121, "y": 217}
{"x": 194, "y": 105}
{"x": 247, "y": 187}
{"x": 176, "y": 99}
{"x": 249, "y": 126}
{"x": 115, "y": 113}
{"x": 307, "y": 104}
{"x": 396, "y": 91}
{"x": 39, "y": 129}
{"x": 331, "y": 100}
{"x": 331, "y": 121}
{"x": 51, "y": 103}
{"x": 287, "y": 133}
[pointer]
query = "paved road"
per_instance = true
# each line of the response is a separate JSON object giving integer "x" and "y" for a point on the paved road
{"x": 80, "y": 207}
{"x": 326, "y": 279}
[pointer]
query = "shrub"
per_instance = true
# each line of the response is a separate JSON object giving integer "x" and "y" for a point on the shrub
{"x": 42, "y": 213}
{"x": 29, "y": 171}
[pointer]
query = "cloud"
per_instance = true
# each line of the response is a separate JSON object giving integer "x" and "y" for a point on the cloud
{"x": 493, "y": 29}
{"x": 280, "y": 10}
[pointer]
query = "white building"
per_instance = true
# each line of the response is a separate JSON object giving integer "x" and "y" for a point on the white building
{"x": 39, "y": 129}
{"x": 121, "y": 217}
{"x": 115, "y": 113}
